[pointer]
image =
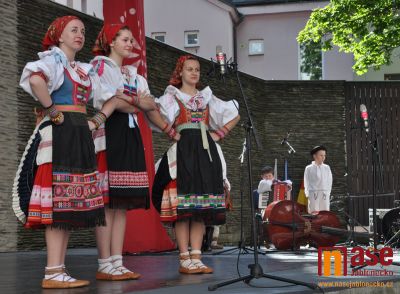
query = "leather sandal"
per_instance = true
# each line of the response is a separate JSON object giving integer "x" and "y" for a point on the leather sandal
{"x": 217, "y": 246}
{"x": 196, "y": 260}
{"x": 130, "y": 275}
{"x": 65, "y": 283}
{"x": 102, "y": 276}
{"x": 190, "y": 268}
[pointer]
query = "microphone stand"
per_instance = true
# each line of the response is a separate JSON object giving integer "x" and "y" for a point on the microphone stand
{"x": 256, "y": 270}
{"x": 290, "y": 151}
{"x": 241, "y": 247}
{"x": 285, "y": 141}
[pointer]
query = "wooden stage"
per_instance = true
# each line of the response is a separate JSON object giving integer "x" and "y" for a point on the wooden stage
{"x": 22, "y": 272}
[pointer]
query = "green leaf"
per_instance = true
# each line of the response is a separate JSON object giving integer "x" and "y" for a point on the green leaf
{"x": 369, "y": 29}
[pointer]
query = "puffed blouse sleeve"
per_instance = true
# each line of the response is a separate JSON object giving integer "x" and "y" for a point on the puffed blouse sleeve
{"x": 107, "y": 82}
{"x": 50, "y": 64}
{"x": 168, "y": 106}
{"x": 222, "y": 112}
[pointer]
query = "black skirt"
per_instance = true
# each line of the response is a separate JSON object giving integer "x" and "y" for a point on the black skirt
{"x": 196, "y": 173}
{"x": 77, "y": 200}
{"x": 128, "y": 178}
{"x": 199, "y": 182}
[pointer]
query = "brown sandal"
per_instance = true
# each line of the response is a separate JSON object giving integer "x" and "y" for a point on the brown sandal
{"x": 130, "y": 275}
{"x": 190, "y": 268}
{"x": 65, "y": 283}
{"x": 109, "y": 275}
{"x": 196, "y": 260}
{"x": 216, "y": 245}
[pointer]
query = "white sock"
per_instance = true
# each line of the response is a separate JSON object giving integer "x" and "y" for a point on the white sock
{"x": 216, "y": 232}
{"x": 195, "y": 261}
{"x": 61, "y": 276}
{"x": 186, "y": 262}
{"x": 117, "y": 264}
{"x": 106, "y": 267}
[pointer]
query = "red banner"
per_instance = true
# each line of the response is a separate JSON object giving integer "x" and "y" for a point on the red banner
{"x": 144, "y": 231}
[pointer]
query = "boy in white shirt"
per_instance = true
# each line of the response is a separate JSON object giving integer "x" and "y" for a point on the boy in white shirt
{"x": 318, "y": 181}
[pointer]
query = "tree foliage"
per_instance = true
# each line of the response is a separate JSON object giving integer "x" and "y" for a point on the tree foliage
{"x": 370, "y": 29}
{"x": 311, "y": 60}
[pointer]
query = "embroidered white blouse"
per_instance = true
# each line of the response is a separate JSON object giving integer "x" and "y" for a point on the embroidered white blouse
{"x": 52, "y": 64}
{"x": 221, "y": 112}
{"x": 112, "y": 79}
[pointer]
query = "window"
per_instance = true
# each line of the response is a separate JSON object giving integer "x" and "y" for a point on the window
{"x": 310, "y": 61}
{"x": 159, "y": 36}
{"x": 192, "y": 39}
{"x": 391, "y": 77}
{"x": 84, "y": 6}
{"x": 256, "y": 47}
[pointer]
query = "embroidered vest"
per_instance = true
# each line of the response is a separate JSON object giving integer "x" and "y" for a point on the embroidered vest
{"x": 189, "y": 116}
{"x": 71, "y": 92}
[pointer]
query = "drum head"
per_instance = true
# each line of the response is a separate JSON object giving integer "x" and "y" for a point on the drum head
{"x": 391, "y": 223}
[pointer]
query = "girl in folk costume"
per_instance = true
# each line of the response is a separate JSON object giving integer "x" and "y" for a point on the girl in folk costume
{"x": 59, "y": 161}
{"x": 188, "y": 187}
{"x": 119, "y": 147}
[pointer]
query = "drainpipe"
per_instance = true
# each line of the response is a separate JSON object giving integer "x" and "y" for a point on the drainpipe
{"x": 235, "y": 25}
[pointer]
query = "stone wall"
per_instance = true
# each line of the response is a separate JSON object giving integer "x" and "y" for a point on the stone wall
{"x": 313, "y": 111}
{"x": 8, "y": 121}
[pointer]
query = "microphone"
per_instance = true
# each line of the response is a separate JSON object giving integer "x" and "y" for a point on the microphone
{"x": 284, "y": 140}
{"x": 364, "y": 116}
{"x": 221, "y": 60}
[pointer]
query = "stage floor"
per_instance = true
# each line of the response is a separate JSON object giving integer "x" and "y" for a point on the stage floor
{"x": 22, "y": 272}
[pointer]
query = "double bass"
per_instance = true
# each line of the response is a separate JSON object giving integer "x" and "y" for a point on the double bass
{"x": 287, "y": 226}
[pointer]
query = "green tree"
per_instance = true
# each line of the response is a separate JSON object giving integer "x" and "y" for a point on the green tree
{"x": 370, "y": 29}
{"x": 311, "y": 60}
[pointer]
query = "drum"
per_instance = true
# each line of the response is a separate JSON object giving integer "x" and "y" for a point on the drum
{"x": 391, "y": 225}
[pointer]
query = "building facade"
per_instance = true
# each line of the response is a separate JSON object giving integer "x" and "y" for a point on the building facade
{"x": 276, "y": 27}
{"x": 260, "y": 35}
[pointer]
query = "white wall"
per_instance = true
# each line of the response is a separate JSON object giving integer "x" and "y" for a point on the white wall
{"x": 378, "y": 75}
{"x": 177, "y": 16}
{"x": 337, "y": 65}
{"x": 281, "y": 50}
{"x": 93, "y": 7}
